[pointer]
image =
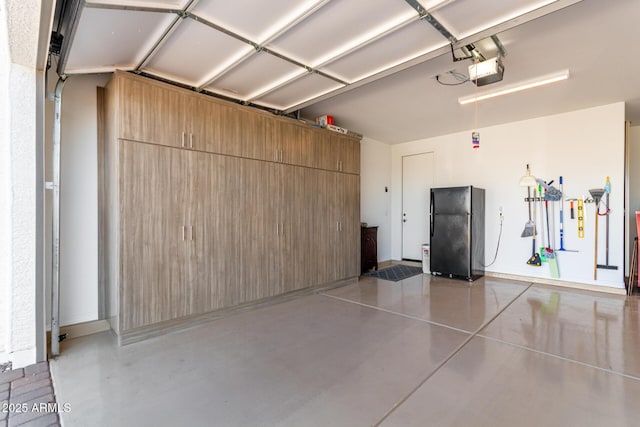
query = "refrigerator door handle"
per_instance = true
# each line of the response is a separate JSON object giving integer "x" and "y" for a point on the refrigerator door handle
{"x": 431, "y": 213}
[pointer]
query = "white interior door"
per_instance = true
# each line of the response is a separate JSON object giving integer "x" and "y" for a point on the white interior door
{"x": 417, "y": 180}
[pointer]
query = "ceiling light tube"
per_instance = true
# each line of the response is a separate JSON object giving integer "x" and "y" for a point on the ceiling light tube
{"x": 516, "y": 87}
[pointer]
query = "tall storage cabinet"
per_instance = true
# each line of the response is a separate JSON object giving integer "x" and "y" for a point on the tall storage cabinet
{"x": 209, "y": 206}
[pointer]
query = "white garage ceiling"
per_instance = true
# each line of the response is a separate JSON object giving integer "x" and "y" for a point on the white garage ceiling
{"x": 369, "y": 63}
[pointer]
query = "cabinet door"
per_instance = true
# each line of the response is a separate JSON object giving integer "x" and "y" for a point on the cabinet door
{"x": 326, "y": 227}
{"x": 259, "y": 230}
{"x": 336, "y": 152}
{"x": 297, "y": 246}
{"x": 349, "y": 152}
{"x": 255, "y": 136}
{"x": 203, "y": 124}
{"x": 349, "y": 202}
{"x": 151, "y": 113}
{"x": 294, "y": 143}
{"x": 206, "y": 231}
{"x": 153, "y": 184}
{"x": 344, "y": 208}
{"x": 325, "y": 148}
{"x": 229, "y": 241}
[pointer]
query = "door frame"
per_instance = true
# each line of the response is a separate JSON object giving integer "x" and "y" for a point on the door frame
{"x": 402, "y": 170}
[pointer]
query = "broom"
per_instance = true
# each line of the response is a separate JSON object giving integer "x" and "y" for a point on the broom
{"x": 528, "y": 180}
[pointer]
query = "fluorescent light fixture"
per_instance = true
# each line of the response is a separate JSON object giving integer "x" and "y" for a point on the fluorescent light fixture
{"x": 516, "y": 87}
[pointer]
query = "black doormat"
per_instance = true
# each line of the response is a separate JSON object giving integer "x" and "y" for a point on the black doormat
{"x": 396, "y": 273}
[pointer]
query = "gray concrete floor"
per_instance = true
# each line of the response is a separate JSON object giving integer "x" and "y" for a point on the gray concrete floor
{"x": 423, "y": 351}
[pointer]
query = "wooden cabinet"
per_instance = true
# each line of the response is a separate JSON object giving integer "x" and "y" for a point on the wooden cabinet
{"x": 368, "y": 249}
{"x": 347, "y": 213}
{"x": 337, "y": 219}
{"x": 151, "y": 113}
{"x": 154, "y": 234}
{"x": 210, "y": 205}
{"x": 335, "y": 152}
{"x": 155, "y": 113}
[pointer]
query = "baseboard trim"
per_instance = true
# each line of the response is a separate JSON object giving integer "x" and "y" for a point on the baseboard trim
{"x": 406, "y": 262}
{"x": 162, "y": 328}
{"x": 384, "y": 264}
{"x": 559, "y": 283}
{"x": 82, "y": 329}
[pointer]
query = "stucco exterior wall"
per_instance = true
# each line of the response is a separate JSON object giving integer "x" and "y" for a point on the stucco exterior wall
{"x": 19, "y": 34}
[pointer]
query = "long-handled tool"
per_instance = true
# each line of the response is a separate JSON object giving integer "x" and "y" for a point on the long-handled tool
{"x": 562, "y": 248}
{"x": 606, "y": 266}
{"x": 552, "y": 259}
{"x": 535, "y": 257}
{"x": 633, "y": 269}
{"x": 561, "y": 217}
{"x": 527, "y": 180}
{"x": 596, "y": 193}
{"x": 543, "y": 258}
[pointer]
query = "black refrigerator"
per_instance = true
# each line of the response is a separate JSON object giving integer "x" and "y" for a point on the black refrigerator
{"x": 457, "y": 232}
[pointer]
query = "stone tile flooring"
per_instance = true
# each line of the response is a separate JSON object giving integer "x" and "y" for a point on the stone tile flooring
{"x": 27, "y": 398}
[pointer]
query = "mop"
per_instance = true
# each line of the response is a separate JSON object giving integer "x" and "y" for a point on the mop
{"x": 607, "y": 190}
{"x": 552, "y": 257}
{"x": 551, "y": 194}
{"x": 561, "y": 217}
{"x": 596, "y": 193}
{"x": 543, "y": 258}
{"x": 535, "y": 257}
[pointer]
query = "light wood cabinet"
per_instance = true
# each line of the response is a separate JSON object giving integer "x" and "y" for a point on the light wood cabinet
{"x": 153, "y": 236}
{"x": 151, "y": 113}
{"x": 335, "y": 152}
{"x": 212, "y": 205}
{"x": 339, "y": 217}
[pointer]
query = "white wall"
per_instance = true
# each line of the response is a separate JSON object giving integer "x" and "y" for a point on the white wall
{"x": 78, "y": 199}
{"x": 375, "y": 176}
{"x": 19, "y": 22}
{"x": 5, "y": 193}
{"x": 583, "y": 146}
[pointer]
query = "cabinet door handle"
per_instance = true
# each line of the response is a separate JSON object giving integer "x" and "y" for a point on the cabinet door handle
{"x": 183, "y": 232}
{"x": 190, "y": 140}
{"x": 192, "y": 232}
{"x": 277, "y": 229}
{"x": 182, "y": 139}
{"x": 337, "y": 225}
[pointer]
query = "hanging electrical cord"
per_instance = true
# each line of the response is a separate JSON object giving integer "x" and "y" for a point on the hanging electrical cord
{"x": 461, "y": 78}
{"x": 495, "y": 256}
